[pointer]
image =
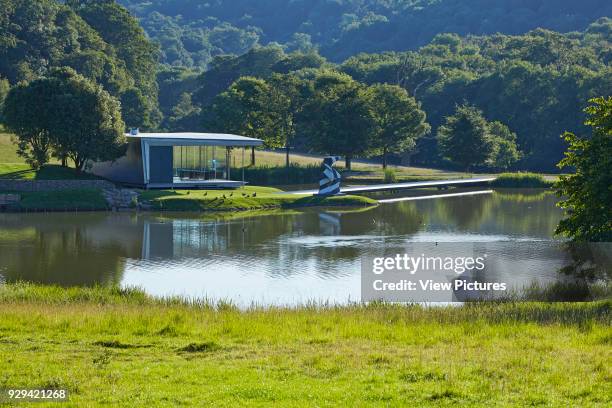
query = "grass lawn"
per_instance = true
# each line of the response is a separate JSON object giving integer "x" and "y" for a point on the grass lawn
{"x": 363, "y": 171}
{"x": 8, "y": 151}
{"x": 122, "y": 348}
{"x": 245, "y": 198}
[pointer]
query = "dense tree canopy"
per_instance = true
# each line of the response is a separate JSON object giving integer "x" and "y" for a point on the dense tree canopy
{"x": 464, "y": 138}
{"x": 193, "y": 32}
{"x": 244, "y": 109}
{"x": 99, "y": 39}
{"x": 400, "y": 121}
{"x": 535, "y": 83}
{"x": 67, "y": 115}
{"x": 339, "y": 117}
{"x": 587, "y": 192}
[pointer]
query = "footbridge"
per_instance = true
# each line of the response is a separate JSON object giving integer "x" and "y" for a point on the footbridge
{"x": 471, "y": 182}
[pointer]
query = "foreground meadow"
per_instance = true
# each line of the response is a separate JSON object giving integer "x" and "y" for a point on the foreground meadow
{"x": 122, "y": 348}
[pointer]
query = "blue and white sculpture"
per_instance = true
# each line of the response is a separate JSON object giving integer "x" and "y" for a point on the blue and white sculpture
{"x": 330, "y": 179}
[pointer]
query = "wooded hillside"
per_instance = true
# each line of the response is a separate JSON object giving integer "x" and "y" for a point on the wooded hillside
{"x": 192, "y": 32}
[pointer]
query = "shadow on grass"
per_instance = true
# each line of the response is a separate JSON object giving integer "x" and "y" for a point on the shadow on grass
{"x": 156, "y": 194}
{"x": 49, "y": 172}
{"x": 18, "y": 175}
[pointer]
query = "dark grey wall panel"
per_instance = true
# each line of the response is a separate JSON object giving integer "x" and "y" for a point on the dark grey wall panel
{"x": 160, "y": 159}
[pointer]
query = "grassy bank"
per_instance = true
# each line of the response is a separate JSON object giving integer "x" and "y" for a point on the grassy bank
{"x": 245, "y": 198}
{"x": 521, "y": 180}
{"x": 68, "y": 200}
{"x": 122, "y": 348}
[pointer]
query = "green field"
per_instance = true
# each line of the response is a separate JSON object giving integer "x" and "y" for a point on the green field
{"x": 8, "y": 151}
{"x": 122, "y": 348}
{"x": 363, "y": 171}
{"x": 13, "y": 166}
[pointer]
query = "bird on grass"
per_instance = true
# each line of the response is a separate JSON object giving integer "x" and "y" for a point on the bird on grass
{"x": 205, "y": 193}
{"x": 231, "y": 194}
{"x": 254, "y": 194}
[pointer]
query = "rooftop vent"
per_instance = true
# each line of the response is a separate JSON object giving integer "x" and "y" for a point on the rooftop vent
{"x": 134, "y": 131}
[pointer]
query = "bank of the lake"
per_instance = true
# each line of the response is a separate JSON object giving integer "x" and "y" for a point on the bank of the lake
{"x": 242, "y": 199}
{"x": 123, "y": 348}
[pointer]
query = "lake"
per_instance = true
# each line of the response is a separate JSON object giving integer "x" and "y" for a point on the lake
{"x": 279, "y": 257}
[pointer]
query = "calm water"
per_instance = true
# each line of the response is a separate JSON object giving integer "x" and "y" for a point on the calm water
{"x": 282, "y": 257}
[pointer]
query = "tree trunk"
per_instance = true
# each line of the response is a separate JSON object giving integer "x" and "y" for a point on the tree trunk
{"x": 287, "y": 148}
{"x": 64, "y": 161}
{"x": 384, "y": 159}
{"x": 253, "y": 156}
{"x": 348, "y": 161}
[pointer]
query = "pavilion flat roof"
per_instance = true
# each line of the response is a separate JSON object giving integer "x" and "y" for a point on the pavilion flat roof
{"x": 197, "y": 139}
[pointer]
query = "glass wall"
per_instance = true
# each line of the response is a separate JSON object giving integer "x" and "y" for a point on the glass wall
{"x": 200, "y": 162}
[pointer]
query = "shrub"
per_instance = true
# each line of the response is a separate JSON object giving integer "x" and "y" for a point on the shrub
{"x": 390, "y": 176}
{"x": 521, "y": 180}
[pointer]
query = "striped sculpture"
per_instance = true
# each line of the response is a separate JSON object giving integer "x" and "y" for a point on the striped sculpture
{"x": 330, "y": 178}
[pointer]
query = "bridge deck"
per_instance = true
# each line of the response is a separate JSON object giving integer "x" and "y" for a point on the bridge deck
{"x": 405, "y": 186}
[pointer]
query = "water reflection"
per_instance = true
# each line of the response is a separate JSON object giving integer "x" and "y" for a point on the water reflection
{"x": 284, "y": 256}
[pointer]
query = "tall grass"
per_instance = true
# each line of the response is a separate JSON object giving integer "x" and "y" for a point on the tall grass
{"x": 389, "y": 176}
{"x": 506, "y": 311}
{"x": 521, "y": 180}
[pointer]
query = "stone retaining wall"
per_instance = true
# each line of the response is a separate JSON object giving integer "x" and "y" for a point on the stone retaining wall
{"x": 54, "y": 185}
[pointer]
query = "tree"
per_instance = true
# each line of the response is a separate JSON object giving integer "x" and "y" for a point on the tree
{"x": 505, "y": 153}
{"x": 102, "y": 68}
{"x": 135, "y": 109}
{"x": 137, "y": 53}
{"x": 5, "y": 87}
{"x": 26, "y": 114}
{"x": 67, "y": 115}
{"x": 587, "y": 192}
{"x": 85, "y": 122}
{"x": 225, "y": 70}
{"x": 339, "y": 118}
{"x": 464, "y": 138}
{"x": 185, "y": 116}
{"x": 399, "y": 118}
{"x": 242, "y": 109}
{"x": 286, "y": 100}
